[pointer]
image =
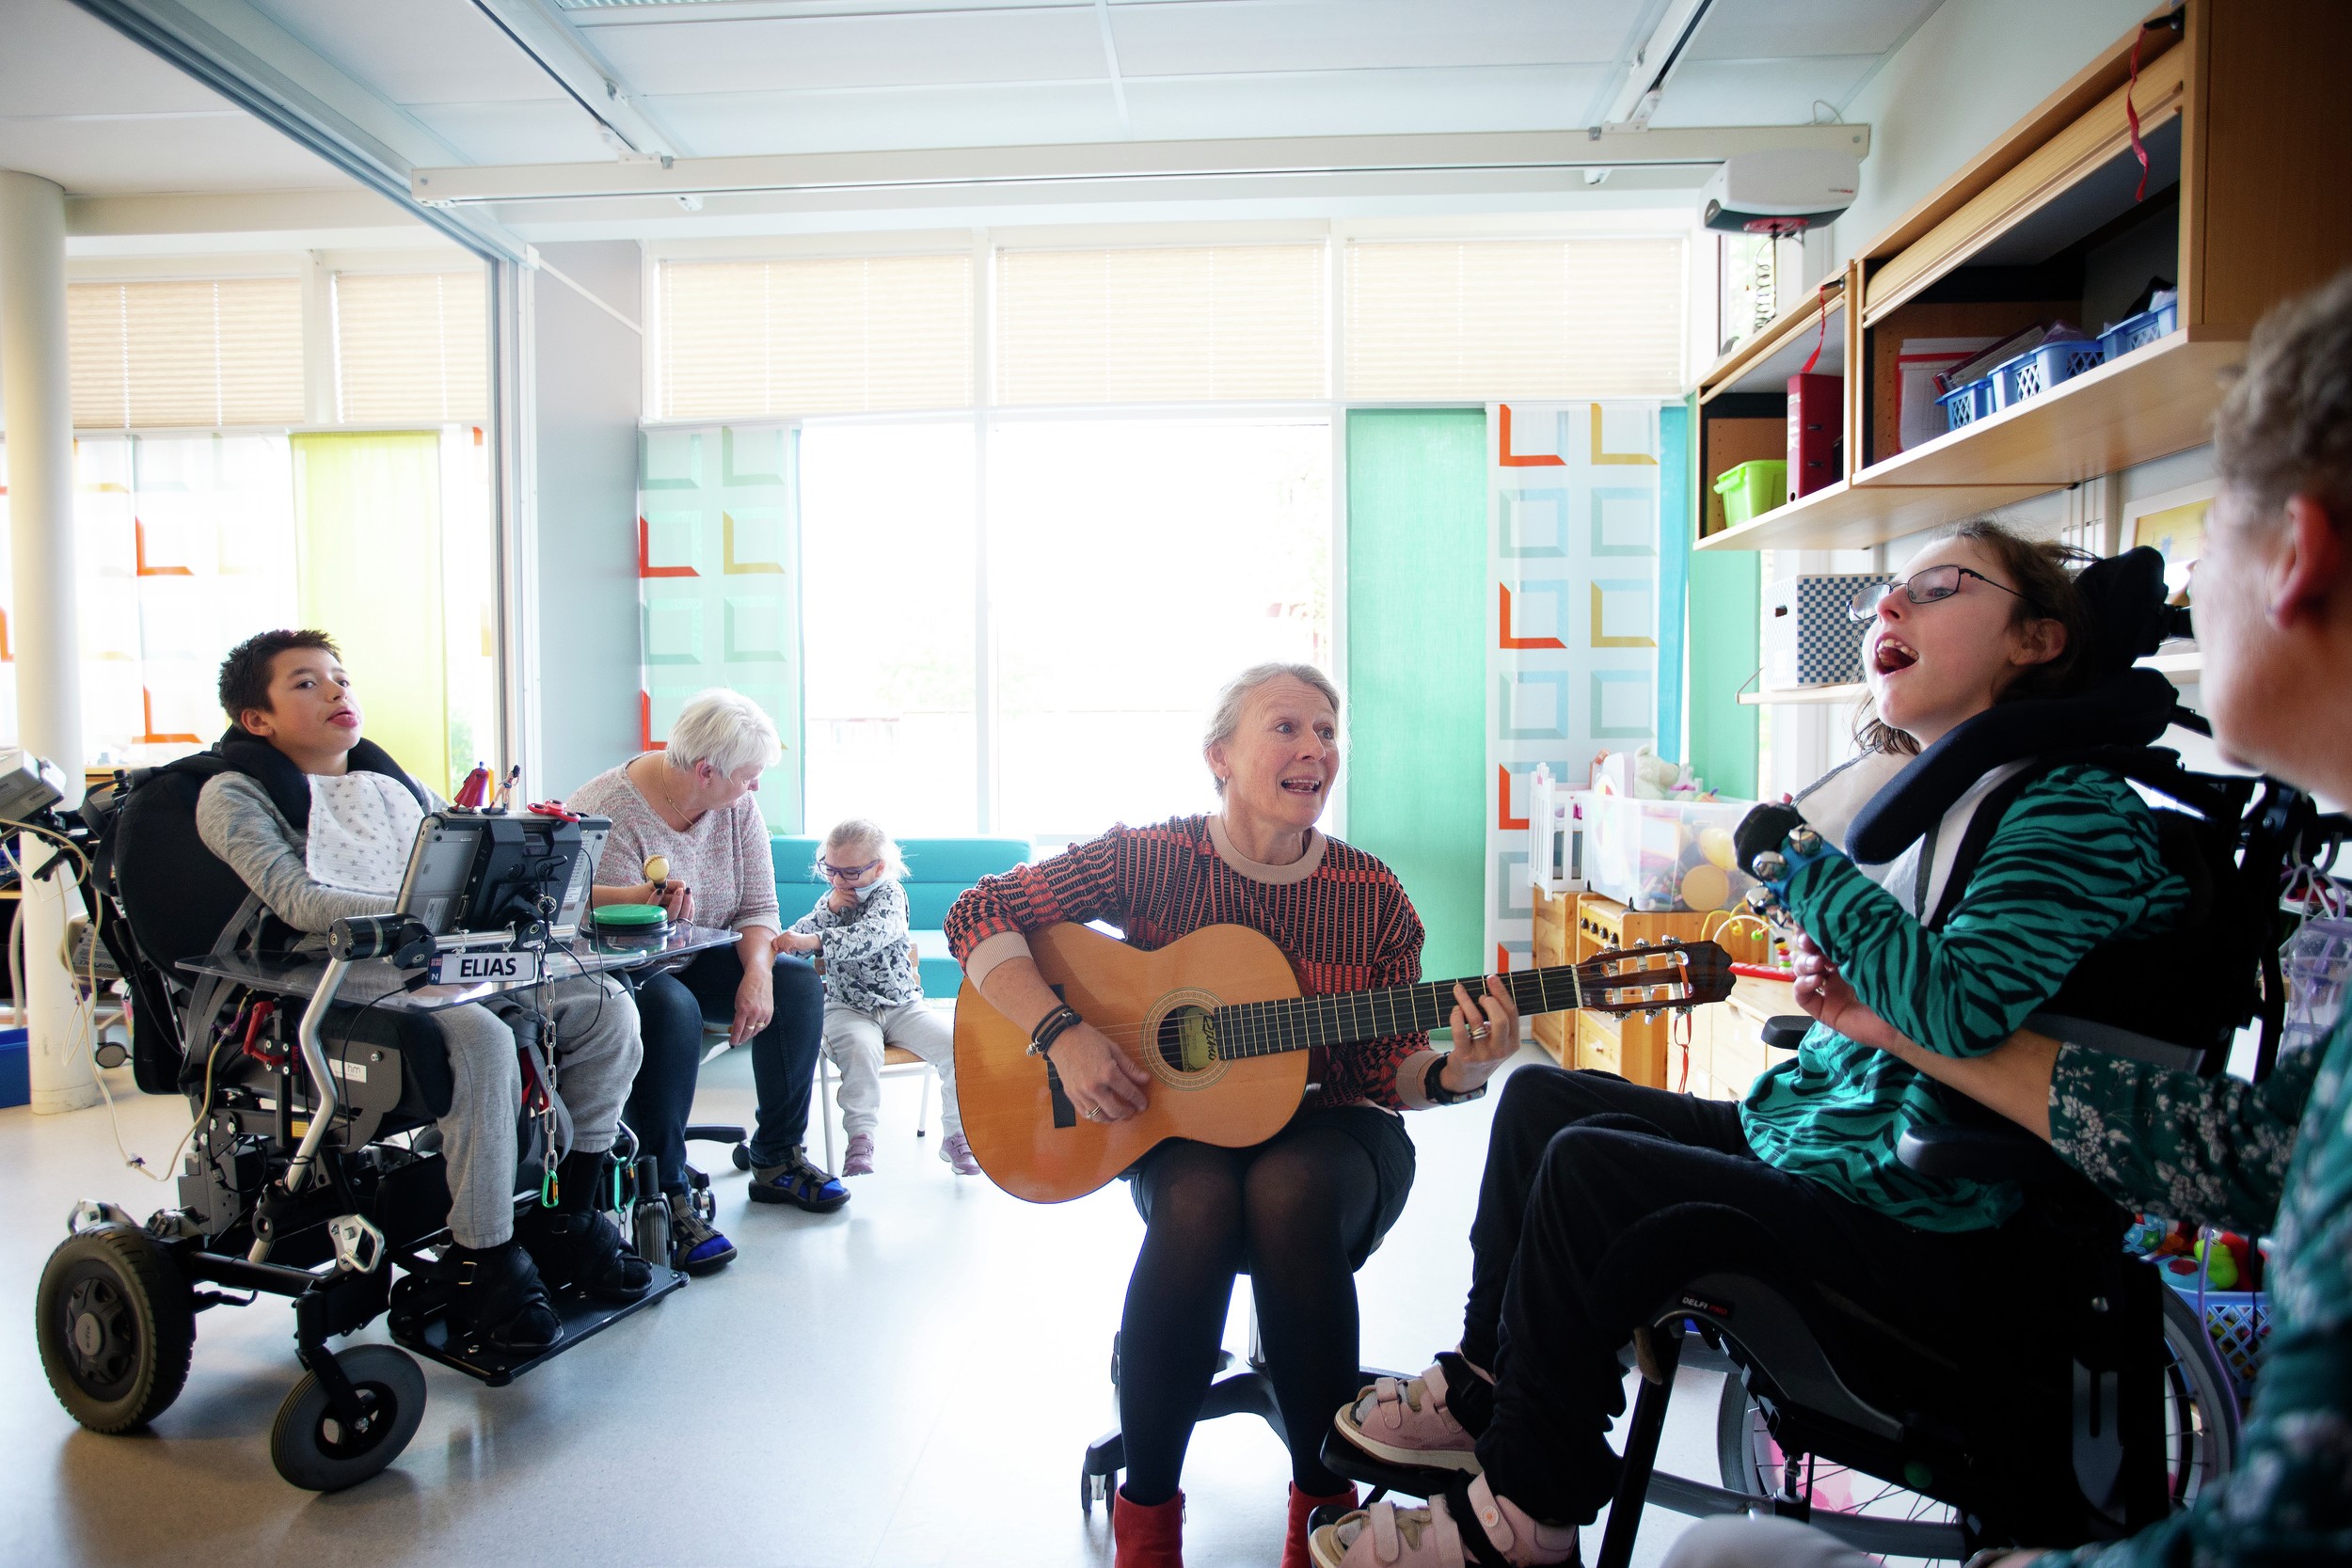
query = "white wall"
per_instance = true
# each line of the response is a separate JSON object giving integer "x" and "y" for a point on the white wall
{"x": 587, "y": 372}
{"x": 1974, "y": 69}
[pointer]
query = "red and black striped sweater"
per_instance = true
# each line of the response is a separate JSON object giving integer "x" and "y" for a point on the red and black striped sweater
{"x": 1340, "y": 916}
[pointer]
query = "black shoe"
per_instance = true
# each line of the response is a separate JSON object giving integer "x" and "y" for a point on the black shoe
{"x": 497, "y": 1302}
{"x": 585, "y": 1250}
{"x": 800, "y": 1183}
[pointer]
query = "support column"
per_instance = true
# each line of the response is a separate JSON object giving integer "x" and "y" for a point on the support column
{"x": 44, "y": 631}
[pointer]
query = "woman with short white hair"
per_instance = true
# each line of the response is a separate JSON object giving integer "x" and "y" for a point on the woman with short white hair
{"x": 696, "y": 805}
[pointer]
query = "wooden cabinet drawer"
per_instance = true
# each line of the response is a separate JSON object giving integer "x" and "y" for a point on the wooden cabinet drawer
{"x": 1598, "y": 1047}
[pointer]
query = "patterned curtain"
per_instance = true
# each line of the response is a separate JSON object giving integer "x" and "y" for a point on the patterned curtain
{"x": 1572, "y": 645}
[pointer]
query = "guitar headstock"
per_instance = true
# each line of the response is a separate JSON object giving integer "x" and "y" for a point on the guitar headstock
{"x": 1658, "y": 977}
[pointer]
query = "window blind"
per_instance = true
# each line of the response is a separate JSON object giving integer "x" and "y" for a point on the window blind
{"x": 1189, "y": 324}
{"x": 412, "y": 346}
{"x": 1516, "y": 318}
{"x": 194, "y": 353}
{"x": 819, "y": 335}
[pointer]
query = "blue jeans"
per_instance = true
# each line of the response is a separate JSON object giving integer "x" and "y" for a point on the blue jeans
{"x": 671, "y": 1010}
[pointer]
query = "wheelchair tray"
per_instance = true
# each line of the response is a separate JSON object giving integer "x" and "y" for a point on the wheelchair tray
{"x": 417, "y": 1323}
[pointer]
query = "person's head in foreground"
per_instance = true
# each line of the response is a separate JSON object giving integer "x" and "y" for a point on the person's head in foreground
{"x": 290, "y": 688}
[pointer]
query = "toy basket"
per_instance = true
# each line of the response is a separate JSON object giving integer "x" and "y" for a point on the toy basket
{"x": 1967, "y": 402}
{"x": 2038, "y": 369}
{"x": 2139, "y": 331}
{"x": 1664, "y": 855}
{"x": 1753, "y": 489}
{"x": 2237, "y": 1321}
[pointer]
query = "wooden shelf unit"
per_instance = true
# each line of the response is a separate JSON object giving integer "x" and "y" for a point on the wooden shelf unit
{"x": 2237, "y": 113}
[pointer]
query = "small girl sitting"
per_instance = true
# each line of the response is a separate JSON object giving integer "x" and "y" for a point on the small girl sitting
{"x": 873, "y": 991}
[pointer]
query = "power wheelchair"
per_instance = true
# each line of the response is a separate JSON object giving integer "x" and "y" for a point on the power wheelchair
{"x": 313, "y": 1169}
{"x": 2093, "y": 1401}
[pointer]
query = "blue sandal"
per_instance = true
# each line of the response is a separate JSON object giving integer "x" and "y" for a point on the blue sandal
{"x": 800, "y": 1183}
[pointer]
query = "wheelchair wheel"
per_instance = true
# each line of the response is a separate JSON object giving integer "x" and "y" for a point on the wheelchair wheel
{"x": 115, "y": 1322}
{"x": 2201, "y": 1414}
{"x": 649, "y": 1229}
{"x": 1902, "y": 1524}
{"x": 317, "y": 1452}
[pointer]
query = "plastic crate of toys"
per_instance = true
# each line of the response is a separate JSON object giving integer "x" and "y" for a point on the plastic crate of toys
{"x": 1664, "y": 855}
{"x": 2229, "y": 1270}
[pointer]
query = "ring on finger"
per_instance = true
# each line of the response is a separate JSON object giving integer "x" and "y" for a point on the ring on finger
{"x": 1480, "y": 1033}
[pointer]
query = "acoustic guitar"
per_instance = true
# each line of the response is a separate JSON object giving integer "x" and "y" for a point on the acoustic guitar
{"x": 1216, "y": 1019}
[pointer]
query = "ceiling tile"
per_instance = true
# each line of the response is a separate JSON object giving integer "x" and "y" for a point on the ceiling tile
{"x": 1336, "y": 35}
{"x": 1757, "y": 92}
{"x": 60, "y": 60}
{"x": 1774, "y": 29}
{"x": 983, "y": 115}
{"x": 1361, "y": 102}
{"x": 416, "y": 51}
{"x": 676, "y": 57}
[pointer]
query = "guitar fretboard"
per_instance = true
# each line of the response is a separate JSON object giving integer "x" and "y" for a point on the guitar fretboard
{"x": 1297, "y": 1022}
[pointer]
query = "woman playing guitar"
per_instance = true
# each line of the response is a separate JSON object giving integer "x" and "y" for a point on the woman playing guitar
{"x": 1301, "y": 1211}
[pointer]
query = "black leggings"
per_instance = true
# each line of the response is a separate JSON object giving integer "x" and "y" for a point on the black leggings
{"x": 1300, "y": 1212}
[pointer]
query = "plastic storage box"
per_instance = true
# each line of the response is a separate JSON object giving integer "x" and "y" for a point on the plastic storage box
{"x": 2139, "y": 331}
{"x": 2038, "y": 369}
{"x": 1753, "y": 488}
{"x": 1810, "y": 639}
{"x": 1967, "y": 404}
{"x": 1669, "y": 855}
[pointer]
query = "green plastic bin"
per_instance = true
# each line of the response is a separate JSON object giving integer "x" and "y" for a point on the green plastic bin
{"x": 1753, "y": 489}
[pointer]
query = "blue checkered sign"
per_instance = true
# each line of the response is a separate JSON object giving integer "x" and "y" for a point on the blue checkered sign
{"x": 1809, "y": 640}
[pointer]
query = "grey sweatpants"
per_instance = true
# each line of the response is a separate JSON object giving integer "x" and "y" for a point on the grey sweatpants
{"x": 854, "y": 1039}
{"x": 596, "y": 1050}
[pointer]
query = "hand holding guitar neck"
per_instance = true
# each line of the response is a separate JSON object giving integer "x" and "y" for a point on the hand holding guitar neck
{"x": 1486, "y": 1035}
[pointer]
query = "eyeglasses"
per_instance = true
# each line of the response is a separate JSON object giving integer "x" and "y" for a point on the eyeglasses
{"x": 1925, "y": 587}
{"x": 826, "y": 870}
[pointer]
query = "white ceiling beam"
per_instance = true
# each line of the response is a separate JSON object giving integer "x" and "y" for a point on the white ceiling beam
{"x": 244, "y": 55}
{"x": 980, "y": 167}
{"x": 541, "y": 30}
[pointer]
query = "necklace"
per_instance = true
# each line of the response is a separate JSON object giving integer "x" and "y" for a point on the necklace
{"x": 676, "y": 814}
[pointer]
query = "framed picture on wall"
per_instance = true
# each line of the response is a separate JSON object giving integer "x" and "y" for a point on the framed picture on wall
{"x": 2173, "y": 523}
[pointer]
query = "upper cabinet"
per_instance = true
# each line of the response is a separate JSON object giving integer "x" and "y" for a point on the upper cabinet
{"x": 2225, "y": 193}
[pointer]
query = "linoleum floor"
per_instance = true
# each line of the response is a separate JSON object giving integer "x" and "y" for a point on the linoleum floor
{"x": 909, "y": 1382}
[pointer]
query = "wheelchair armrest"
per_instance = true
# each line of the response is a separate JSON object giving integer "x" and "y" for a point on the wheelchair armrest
{"x": 1981, "y": 1154}
{"x": 1785, "y": 1031}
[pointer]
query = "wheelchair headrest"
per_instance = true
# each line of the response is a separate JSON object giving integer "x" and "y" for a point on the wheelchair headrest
{"x": 2123, "y": 601}
{"x": 2130, "y": 708}
{"x": 177, "y": 894}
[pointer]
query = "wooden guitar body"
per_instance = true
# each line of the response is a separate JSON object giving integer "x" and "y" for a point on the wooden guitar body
{"x": 1140, "y": 1001}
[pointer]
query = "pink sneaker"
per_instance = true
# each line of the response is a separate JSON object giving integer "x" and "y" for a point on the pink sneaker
{"x": 858, "y": 1159}
{"x": 958, "y": 1153}
{"x": 1405, "y": 1422}
{"x": 1387, "y": 1536}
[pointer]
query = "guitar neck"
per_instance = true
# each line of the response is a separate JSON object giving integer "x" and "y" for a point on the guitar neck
{"x": 1343, "y": 1018}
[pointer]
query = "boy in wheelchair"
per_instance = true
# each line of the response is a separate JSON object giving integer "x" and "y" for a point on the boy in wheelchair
{"x": 1803, "y": 1176}
{"x": 318, "y": 823}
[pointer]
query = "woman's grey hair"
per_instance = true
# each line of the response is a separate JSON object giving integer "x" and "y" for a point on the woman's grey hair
{"x": 1226, "y": 720}
{"x": 724, "y": 729}
{"x": 861, "y": 835}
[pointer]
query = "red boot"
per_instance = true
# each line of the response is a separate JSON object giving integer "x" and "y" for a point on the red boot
{"x": 1148, "y": 1537}
{"x": 1295, "y": 1553}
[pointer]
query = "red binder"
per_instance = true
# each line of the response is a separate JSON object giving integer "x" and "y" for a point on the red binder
{"x": 1817, "y": 415}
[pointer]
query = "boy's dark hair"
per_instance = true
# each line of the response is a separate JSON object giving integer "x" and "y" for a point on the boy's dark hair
{"x": 244, "y": 674}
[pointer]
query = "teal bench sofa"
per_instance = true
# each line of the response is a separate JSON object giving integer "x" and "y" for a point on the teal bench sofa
{"x": 938, "y": 872}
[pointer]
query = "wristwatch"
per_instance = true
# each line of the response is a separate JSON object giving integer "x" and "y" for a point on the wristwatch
{"x": 1433, "y": 1087}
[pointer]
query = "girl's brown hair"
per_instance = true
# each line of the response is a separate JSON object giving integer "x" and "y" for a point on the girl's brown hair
{"x": 2043, "y": 574}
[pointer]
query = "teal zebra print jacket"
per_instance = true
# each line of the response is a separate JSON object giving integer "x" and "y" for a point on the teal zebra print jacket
{"x": 2074, "y": 862}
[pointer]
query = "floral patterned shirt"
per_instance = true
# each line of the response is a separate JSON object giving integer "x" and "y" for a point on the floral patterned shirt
{"x": 870, "y": 958}
{"x": 2218, "y": 1152}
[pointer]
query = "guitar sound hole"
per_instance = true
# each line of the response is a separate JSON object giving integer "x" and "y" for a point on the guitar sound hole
{"x": 1187, "y": 1039}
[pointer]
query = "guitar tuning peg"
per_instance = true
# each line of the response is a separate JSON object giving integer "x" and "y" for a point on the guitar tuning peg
{"x": 1652, "y": 1013}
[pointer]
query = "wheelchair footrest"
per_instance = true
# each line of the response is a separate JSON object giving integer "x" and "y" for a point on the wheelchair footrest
{"x": 418, "y": 1325}
{"x": 1349, "y": 1463}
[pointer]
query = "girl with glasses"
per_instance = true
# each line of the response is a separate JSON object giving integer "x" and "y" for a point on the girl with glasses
{"x": 873, "y": 991}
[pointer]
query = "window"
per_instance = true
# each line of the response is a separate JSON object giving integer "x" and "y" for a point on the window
{"x": 1482, "y": 320}
{"x": 888, "y": 601}
{"x": 194, "y": 355}
{"x": 412, "y": 347}
{"x": 1136, "y": 566}
{"x": 824, "y": 335}
{"x": 1229, "y": 323}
